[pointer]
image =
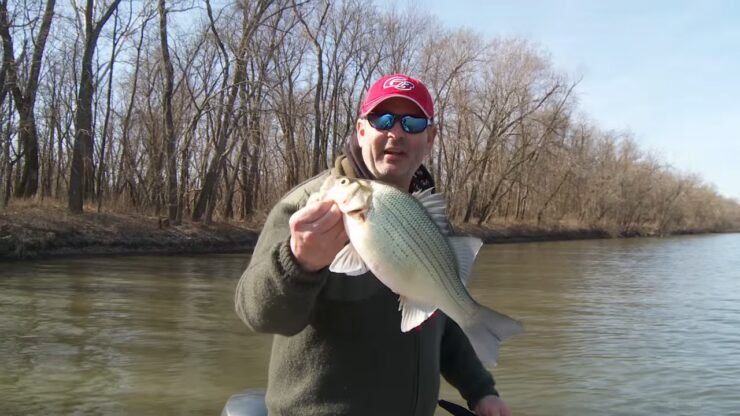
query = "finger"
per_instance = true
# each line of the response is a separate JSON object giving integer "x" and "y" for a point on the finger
{"x": 311, "y": 212}
{"x": 326, "y": 222}
{"x": 339, "y": 234}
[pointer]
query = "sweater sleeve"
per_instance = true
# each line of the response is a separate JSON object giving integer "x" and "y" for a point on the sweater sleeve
{"x": 461, "y": 367}
{"x": 274, "y": 294}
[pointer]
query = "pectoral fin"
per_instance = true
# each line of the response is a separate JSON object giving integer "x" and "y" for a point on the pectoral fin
{"x": 413, "y": 313}
{"x": 349, "y": 262}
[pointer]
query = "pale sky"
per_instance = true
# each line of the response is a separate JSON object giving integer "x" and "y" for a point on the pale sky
{"x": 667, "y": 71}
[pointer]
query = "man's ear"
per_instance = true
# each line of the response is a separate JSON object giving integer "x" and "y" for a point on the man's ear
{"x": 360, "y": 128}
{"x": 430, "y": 138}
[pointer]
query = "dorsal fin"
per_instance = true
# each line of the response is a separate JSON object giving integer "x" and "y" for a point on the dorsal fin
{"x": 466, "y": 250}
{"x": 436, "y": 207}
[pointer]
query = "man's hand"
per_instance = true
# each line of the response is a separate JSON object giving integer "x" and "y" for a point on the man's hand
{"x": 317, "y": 234}
{"x": 492, "y": 406}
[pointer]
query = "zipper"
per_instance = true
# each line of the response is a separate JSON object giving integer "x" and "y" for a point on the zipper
{"x": 417, "y": 375}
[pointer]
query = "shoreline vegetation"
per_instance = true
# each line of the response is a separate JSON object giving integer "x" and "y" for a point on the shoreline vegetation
{"x": 166, "y": 129}
{"x": 44, "y": 230}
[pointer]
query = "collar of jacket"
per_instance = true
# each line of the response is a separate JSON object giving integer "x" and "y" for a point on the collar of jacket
{"x": 344, "y": 166}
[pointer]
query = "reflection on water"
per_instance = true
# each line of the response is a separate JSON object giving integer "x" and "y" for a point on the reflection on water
{"x": 125, "y": 335}
{"x": 613, "y": 327}
{"x": 619, "y": 327}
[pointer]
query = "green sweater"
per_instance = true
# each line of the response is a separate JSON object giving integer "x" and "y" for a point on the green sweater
{"x": 338, "y": 347}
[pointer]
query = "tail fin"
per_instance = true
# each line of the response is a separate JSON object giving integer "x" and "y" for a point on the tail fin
{"x": 486, "y": 331}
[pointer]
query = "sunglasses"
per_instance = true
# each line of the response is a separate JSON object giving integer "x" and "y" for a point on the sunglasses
{"x": 409, "y": 124}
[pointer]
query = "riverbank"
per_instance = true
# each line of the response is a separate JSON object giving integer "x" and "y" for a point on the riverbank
{"x": 33, "y": 230}
{"x": 48, "y": 231}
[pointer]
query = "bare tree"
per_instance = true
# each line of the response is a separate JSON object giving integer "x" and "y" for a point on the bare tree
{"x": 507, "y": 99}
{"x": 448, "y": 62}
{"x": 104, "y": 146}
{"x": 82, "y": 160}
{"x": 26, "y": 99}
{"x": 286, "y": 99}
{"x": 126, "y": 162}
{"x": 319, "y": 139}
{"x": 206, "y": 201}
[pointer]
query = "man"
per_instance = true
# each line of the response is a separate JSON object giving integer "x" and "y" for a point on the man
{"x": 338, "y": 348}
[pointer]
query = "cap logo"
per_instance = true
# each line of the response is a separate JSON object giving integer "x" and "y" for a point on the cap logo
{"x": 399, "y": 83}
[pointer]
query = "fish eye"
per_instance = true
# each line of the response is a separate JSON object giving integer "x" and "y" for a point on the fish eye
{"x": 344, "y": 181}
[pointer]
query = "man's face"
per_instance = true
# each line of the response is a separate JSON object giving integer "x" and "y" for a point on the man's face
{"x": 394, "y": 155}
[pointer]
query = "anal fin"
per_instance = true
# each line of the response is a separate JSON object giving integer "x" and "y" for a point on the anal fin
{"x": 413, "y": 313}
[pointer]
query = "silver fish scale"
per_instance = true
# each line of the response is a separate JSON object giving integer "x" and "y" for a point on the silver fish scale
{"x": 415, "y": 237}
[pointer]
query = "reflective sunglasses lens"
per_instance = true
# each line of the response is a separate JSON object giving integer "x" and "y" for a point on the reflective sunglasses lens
{"x": 414, "y": 124}
{"x": 382, "y": 121}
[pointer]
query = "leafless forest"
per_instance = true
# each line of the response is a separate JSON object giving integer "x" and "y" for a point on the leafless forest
{"x": 208, "y": 110}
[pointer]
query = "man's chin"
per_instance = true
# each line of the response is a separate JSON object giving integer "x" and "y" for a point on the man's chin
{"x": 393, "y": 175}
{"x": 391, "y": 169}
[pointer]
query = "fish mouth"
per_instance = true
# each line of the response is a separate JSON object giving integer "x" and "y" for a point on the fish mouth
{"x": 358, "y": 214}
{"x": 354, "y": 202}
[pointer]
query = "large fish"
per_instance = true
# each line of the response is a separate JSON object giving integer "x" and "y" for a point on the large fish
{"x": 404, "y": 241}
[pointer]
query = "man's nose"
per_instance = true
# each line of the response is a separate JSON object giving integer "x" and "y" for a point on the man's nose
{"x": 396, "y": 131}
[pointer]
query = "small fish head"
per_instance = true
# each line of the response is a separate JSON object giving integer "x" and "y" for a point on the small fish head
{"x": 352, "y": 196}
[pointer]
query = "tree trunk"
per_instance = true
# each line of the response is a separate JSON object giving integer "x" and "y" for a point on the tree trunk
{"x": 169, "y": 127}
{"x": 8, "y": 168}
{"x": 106, "y": 119}
{"x": 29, "y": 140}
{"x": 251, "y": 185}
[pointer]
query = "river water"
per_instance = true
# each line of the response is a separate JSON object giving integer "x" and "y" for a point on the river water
{"x": 612, "y": 327}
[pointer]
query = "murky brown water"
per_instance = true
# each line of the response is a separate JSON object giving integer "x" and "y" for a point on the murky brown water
{"x": 613, "y": 327}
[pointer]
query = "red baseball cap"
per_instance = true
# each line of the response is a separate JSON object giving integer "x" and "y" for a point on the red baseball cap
{"x": 398, "y": 85}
